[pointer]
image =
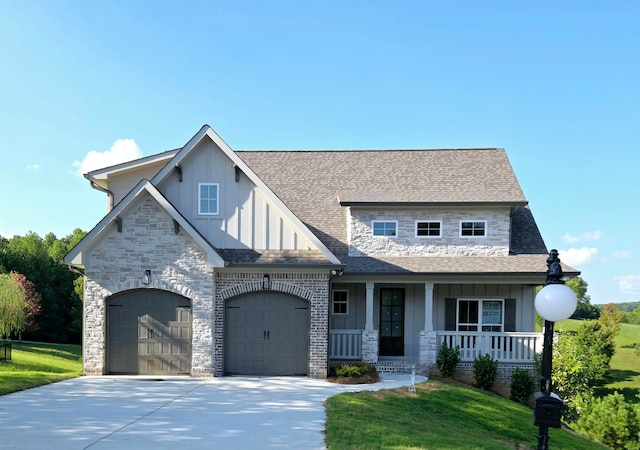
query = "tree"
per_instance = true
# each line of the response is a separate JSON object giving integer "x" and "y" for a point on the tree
{"x": 12, "y": 313}
{"x": 32, "y": 306}
{"x": 584, "y": 310}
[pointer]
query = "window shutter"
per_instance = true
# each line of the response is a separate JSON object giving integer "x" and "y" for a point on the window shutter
{"x": 450, "y": 314}
{"x": 510, "y": 314}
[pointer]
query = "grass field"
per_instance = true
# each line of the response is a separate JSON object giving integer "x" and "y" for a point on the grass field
{"x": 37, "y": 364}
{"x": 438, "y": 416}
{"x": 624, "y": 375}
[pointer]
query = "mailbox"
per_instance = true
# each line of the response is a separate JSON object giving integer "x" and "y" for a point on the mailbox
{"x": 547, "y": 410}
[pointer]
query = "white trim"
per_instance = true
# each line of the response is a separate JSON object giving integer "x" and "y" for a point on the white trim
{"x": 428, "y": 221}
{"x": 486, "y": 229}
{"x": 333, "y": 302}
{"x": 373, "y": 233}
{"x": 207, "y": 131}
{"x": 480, "y": 324}
{"x": 76, "y": 256}
{"x": 217, "y": 212}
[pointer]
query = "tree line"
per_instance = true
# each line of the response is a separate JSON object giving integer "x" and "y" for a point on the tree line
{"x": 31, "y": 271}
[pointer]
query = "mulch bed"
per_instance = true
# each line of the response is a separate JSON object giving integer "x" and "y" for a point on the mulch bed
{"x": 367, "y": 378}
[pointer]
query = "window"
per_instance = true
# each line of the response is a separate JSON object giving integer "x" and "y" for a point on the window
{"x": 473, "y": 229}
{"x": 208, "y": 198}
{"x": 340, "y": 302}
{"x": 384, "y": 228}
{"x": 480, "y": 315}
{"x": 428, "y": 229}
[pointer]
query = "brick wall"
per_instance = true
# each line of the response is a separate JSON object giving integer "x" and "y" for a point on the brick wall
{"x": 313, "y": 287}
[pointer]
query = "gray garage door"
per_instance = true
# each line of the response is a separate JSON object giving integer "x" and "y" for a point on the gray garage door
{"x": 148, "y": 333}
{"x": 267, "y": 333}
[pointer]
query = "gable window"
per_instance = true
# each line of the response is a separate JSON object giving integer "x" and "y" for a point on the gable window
{"x": 480, "y": 315}
{"x": 208, "y": 198}
{"x": 473, "y": 229}
{"x": 428, "y": 229}
{"x": 385, "y": 228}
{"x": 340, "y": 303}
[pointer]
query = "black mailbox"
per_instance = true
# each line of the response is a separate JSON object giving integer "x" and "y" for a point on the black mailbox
{"x": 547, "y": 410}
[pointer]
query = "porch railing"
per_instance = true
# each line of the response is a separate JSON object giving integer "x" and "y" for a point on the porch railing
{"x": 345, "y": 344}
{"x": 505, "y": 347}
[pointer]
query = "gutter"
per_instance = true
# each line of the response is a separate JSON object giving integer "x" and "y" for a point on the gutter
{"x": 101, "y": 189}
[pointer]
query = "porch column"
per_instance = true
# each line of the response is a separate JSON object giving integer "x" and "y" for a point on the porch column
{"x": 369, "y": 334}
{"x": 428, "y": 337}
{"x": 428, "y": 307}
{"x": 368, "y": 324}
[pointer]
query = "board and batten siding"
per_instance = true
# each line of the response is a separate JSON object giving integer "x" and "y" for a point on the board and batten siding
{"x": 246, "y": 219}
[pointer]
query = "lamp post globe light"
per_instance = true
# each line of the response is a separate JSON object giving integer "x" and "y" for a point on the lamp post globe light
{"x": 555, "y": 301}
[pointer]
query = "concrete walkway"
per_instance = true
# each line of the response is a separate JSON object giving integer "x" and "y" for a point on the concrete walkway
{"x": 173, "y": 413}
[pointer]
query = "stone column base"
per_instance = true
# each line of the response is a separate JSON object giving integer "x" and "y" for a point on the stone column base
{"x": 428, "y": 350}
{"x": 370, "y": 346}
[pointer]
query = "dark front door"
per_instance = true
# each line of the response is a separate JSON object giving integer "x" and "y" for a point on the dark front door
{"x": 392, "y": 322}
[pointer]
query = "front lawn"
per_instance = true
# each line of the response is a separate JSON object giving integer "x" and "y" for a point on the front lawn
{"x": 38, "y": 364}
{"x": 439, "y": 415}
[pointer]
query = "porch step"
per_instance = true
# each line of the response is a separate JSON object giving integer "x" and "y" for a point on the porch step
{"x": 390, "y": 367}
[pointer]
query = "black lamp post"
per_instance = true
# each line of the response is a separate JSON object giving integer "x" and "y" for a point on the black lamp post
{"x": 555, "y": 301}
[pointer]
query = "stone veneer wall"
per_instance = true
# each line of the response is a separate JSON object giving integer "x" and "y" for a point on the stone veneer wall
{"x": 313, "y": 287}
{"x": 363, "y": 243}
{"x": 117, "y": 263}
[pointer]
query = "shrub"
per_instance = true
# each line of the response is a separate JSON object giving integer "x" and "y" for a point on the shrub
{"x": 522, "y": 385}
{"x": 448, "y": 359}
{"x": 485, "y": 371}
{"x": 611, "y": 421}
{"x": 354, "y": 370}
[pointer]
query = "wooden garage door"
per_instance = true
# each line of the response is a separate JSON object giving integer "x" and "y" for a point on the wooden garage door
{"x": 267, "y": 334}
{"x": 148, "y": 333}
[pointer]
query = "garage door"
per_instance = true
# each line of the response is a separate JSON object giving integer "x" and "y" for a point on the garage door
{"x": 148, "y": 333}
{"x": 267, "y": 334}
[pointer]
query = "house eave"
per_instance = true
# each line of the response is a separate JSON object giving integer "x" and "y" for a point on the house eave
{"x": 369, "y": 204}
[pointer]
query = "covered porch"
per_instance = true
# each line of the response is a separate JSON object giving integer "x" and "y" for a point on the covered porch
{"x": 405, "y": 323}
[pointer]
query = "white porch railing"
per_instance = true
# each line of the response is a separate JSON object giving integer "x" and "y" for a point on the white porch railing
{"x": 345, "y": 344}
{"x": 504, "y": 347}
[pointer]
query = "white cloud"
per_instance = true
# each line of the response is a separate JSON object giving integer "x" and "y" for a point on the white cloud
{"x": 122, "y": 150}
{"x": 622, "y": 254}
{"x": 587, "y": 236}
{"x": 578, "y": 256}
{"x": 34, "y": 167}
{"x": 629, "y": 284}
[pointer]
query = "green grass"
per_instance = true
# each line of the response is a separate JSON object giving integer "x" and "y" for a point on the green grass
{"x": 624, "y": 375}
{"x": 438, "y": 416}
{"x": 38, "y": 364}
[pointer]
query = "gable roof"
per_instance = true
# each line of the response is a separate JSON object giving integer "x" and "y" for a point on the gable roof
{"x": 207, "y": 131}
{"x": 76, "y": 256}
{"x": 104, "y": 172}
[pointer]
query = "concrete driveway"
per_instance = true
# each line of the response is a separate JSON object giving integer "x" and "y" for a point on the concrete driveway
{"x": 173, "y": 413}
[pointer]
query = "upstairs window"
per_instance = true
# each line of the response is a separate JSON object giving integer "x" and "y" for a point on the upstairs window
{"x": 428, "y": 229}
{"x": 388, "y": 228}
{"x": 473, "y": 229}
{"x": 340, "y": 303}
{"x": 208, "y": 198}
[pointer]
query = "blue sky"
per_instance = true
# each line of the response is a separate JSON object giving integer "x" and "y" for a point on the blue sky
{"x": 557, "y": 84}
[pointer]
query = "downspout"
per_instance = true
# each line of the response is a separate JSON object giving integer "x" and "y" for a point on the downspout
{"x": 101, "y": 189}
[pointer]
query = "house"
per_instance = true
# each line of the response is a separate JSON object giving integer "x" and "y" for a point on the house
{"x": 213, "y": 262}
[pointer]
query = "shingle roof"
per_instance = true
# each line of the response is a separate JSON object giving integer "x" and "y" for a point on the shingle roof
{"x": 316, "y": 185}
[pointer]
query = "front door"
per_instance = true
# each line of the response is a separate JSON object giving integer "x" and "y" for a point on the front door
{"x": 391, "y": 322}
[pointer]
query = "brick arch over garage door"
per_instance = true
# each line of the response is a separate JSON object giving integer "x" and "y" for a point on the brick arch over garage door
{"x": 267, "y": 333}
{"x": 148, "y": 333}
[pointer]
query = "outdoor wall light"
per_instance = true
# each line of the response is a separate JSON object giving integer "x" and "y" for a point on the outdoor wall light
{"x": 555, "y": 301}
{"x": 266, "y": 282}
{"x": 146, "y": 278}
